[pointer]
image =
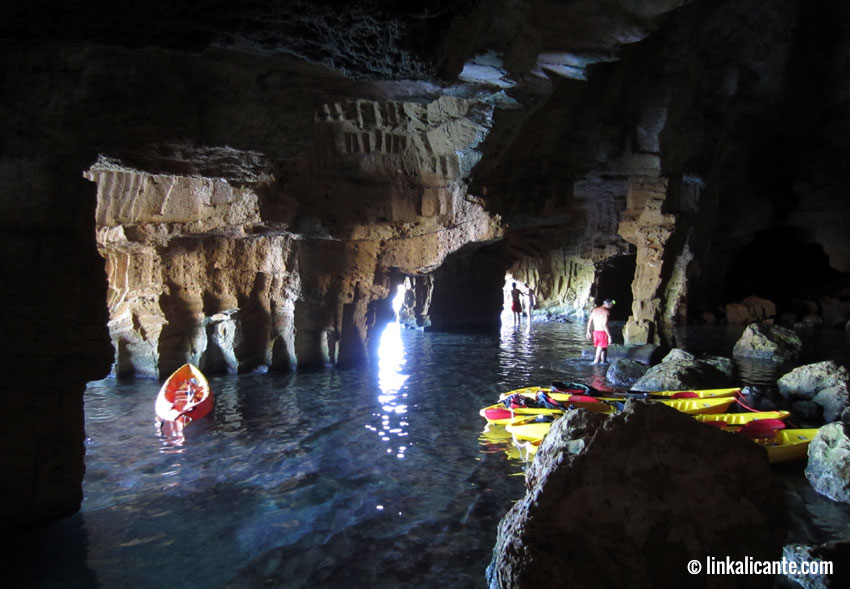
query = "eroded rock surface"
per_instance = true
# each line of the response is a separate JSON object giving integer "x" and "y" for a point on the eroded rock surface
{"x": 828, "y": 469}
{"x": 681, "y": 370}
{"x": 766, "y": 342}
{"x": 627, "y": 485}
{"x": 824, "y": 384}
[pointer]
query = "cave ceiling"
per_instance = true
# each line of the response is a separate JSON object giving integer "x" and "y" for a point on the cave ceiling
{"x": 243, "y": 89}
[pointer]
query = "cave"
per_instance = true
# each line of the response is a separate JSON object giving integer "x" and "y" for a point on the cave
{"x": 246, "y": 187}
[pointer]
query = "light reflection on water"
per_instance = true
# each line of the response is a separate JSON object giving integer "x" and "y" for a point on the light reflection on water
{"x": 385, "y": 476}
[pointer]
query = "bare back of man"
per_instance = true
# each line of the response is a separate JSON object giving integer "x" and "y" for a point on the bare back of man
{"x": 597, "y": 330}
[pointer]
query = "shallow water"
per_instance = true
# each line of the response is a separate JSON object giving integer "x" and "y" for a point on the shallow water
{"x": 363, "y": 478}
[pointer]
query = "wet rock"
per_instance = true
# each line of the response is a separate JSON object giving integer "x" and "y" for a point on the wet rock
{"x": 825, "y": 383}
{"x": 828, "y": 469}
{"x": 838, "y": 553}
{"x": 682, "y": 370}
{"x": 773, "y": 343}
{"x": 750, "y": 310}
{"x": 724, "y": 365}
{"x": 626, "y": 485}
{"x": 624, "y": 372}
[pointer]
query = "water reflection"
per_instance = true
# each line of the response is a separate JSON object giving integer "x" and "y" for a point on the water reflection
{"x": 391, "y": 379}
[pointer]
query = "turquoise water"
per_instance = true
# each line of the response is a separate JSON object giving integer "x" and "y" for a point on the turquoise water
{"x": 381, "y": 477}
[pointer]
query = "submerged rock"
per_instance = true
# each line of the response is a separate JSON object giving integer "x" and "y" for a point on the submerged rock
{"x": 774, "y": 343}
{"x": 624, "y": 372}
{"x": 636, "y": 496}
{"x": 681, "y": 370}
{"x": 828, "y": 469}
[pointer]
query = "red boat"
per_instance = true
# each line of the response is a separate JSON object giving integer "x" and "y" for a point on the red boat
{"x": 184, "y": 397}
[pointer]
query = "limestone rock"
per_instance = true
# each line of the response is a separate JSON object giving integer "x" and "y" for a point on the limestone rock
{"x": 774, "y": 343}
{"x": 624, "y": 372}
{"x": 828, "y": 469}
{"x": 626, "y": 485}
{"x": 804, "y": 382}
{"x": 838, "y": 553}
{"x": 750, "y": 310}
{"x": 681, "y": 370}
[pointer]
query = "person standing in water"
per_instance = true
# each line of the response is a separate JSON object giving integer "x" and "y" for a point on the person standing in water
{"x": 516, "y": 302}
{"x": 597, "y": 330}
{"x": 532, "y": 299}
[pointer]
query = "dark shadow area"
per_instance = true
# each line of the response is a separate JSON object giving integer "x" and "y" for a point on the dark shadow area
{"x": 782, "y": 265}
{"x": 468, "y": 289}
{"x": 615, "y": 282}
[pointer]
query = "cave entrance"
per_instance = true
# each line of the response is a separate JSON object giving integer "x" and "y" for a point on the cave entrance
{"x": 784, "y": 265}
{"x": 614, "y": 281}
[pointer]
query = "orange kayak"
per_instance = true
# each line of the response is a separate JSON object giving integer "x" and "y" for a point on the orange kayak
{"x": 185, "y": 396}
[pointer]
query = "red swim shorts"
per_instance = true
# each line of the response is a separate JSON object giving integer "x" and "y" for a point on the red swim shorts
{"x": 600, "y": 339}
{"x": 516, "y": 308}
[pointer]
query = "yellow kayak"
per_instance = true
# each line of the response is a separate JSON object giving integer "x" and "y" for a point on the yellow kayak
{"x": 500, "y": 415}
{"x": 574, "y": 388}
{"x": 788, "y": 444}
{"x": 531, "y": 430}
{"x": 712, "y": 405}
{"x": 733, "y": 419}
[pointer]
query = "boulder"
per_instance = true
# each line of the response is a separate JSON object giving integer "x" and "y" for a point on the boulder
{"x": 624, "y": 372}
{"x": 637, "y": 495}
{"x": 681, "y": 370}
{"x": 828, "y": 469}
{"x": 833, "y": 400}
{"x": 805, "y": 382}
{"x": 837, "y": 553}
{"x": 750, "y": 310}
{"x": 774, "y": 343}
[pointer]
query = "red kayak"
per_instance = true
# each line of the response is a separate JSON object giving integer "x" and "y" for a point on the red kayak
{"x": 185, "y": 396}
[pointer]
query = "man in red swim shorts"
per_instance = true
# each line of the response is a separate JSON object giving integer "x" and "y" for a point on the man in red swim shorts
{"x": 597, "y": 330}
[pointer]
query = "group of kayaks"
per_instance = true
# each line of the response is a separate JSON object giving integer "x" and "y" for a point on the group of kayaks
{"x": 527, "y": 414}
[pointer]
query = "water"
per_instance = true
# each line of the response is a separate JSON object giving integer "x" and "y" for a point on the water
{"x": 382, "y": 477}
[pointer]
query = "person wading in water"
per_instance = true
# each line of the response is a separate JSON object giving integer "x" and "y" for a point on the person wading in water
{"x": 597, "y": 330}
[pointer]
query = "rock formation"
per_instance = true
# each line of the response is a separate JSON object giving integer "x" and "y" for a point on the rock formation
{"x": 627, "y": 485}
{"x": 828, "y": 469}
{"x": 681, "y": 370}
{"x": 825, "y": 384}
{"x": 765, "y": 342}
